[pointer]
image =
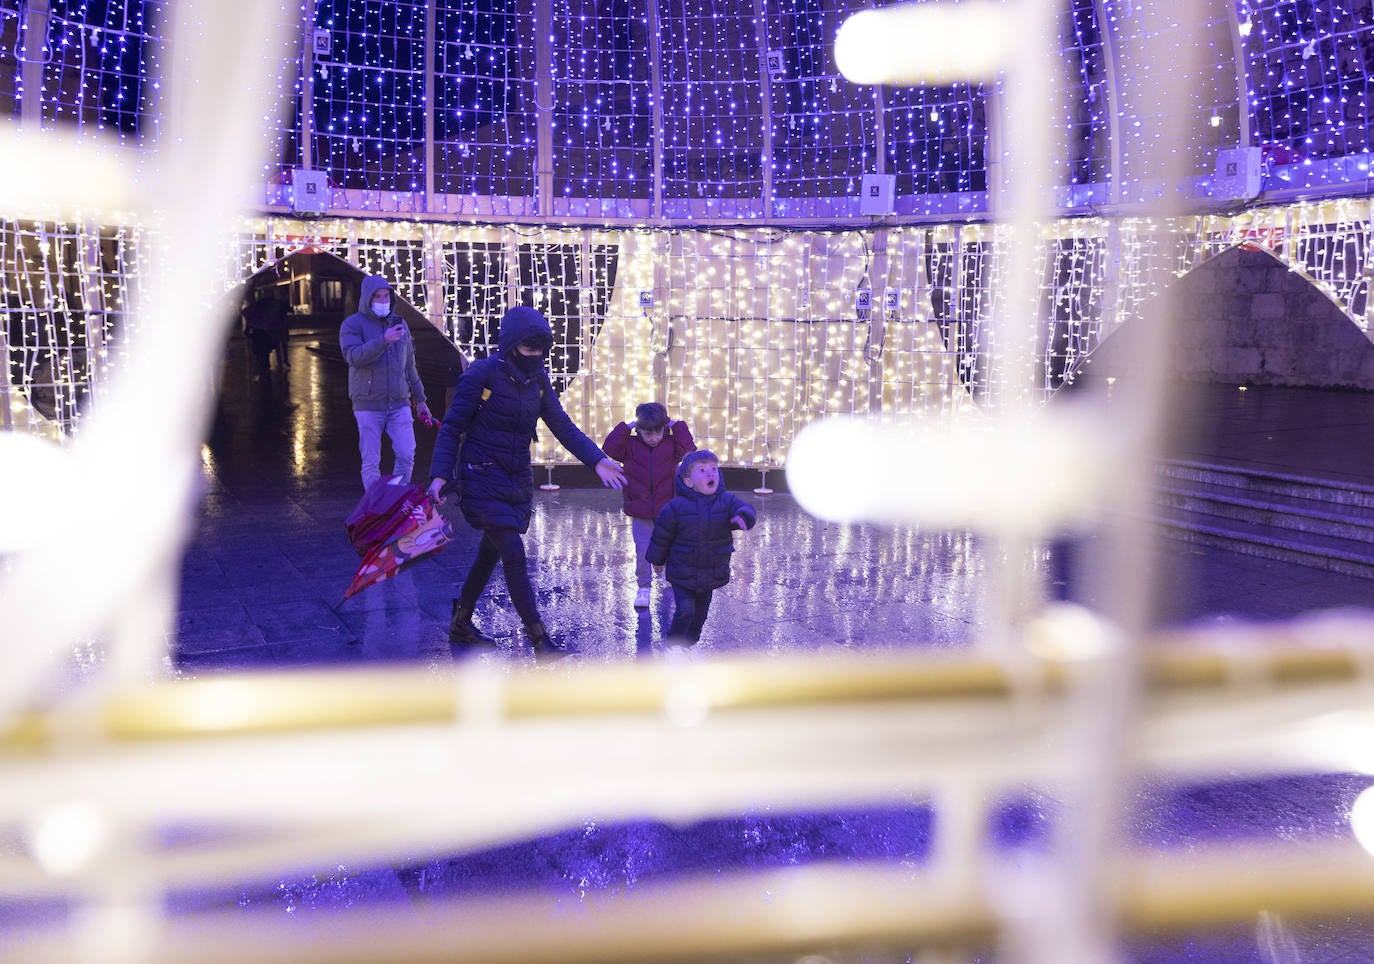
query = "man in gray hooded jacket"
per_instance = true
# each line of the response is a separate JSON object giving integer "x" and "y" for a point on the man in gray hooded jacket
{"x": 382, "y": 379}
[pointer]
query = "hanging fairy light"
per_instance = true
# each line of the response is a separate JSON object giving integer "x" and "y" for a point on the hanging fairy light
{"x": 747, "y": 107}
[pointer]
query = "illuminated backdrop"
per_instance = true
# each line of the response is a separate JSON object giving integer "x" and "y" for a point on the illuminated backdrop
{"x": 678, "y": 185}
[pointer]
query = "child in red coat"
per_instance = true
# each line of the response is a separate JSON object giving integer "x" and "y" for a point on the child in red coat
{"x": 650, "y": 454}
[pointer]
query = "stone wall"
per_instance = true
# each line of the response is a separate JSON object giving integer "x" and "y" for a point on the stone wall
{"x": 1245, "y": 318}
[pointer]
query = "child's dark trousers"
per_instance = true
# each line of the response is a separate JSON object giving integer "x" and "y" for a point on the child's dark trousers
{"x": 689, "y": 614}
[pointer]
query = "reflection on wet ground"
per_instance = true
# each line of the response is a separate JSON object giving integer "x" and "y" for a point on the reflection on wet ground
{"x": 265, "y": 573}
{"x": 262, "y": 591}
{"x": 264, "y": 577}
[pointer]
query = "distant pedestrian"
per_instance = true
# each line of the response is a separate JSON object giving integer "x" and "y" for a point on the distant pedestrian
{"x": 693, "y": 538}
{"x": 650, "y": 448}
{"x": 382, "y": 379}
{"x": 267, "y": 326}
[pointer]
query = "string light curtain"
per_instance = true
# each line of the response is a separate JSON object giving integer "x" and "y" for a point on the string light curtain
{"x": 748, "y": 335}
{"x": 920, "y": 357}
{"x": 11, "y": 56}
{"x": 602, "y": 124}
{"x": 290, "y": 140}
{"x": 486, "y": 112}
{"x": 823, "y": 127}
{"x": 475, "y": 280}
{"x": 1072, "y": 301}
{"x": 749, "y": 332}
{"x": 98, "y": 58}
{"x": 1309, "y": 67}
{"x": 369, "y": 105}
{"x": 1328, "y": 241}
{"x": 957, "y": 263}
{"x": 763, "y": 337}
{"x": 937, "y": 139}
{"x": 1331, "y": 244}
{"x": 623, "y": 351}
{"x": 290, "y": 157}
{"x": 736, "y": 87}
{"x": 401, "y": 261}
{"x": 712, "y": 160}
{"x": 551, "y": 272}
{"x": 1212, "y": 82}
{"x": 66, "y": 289}
{"x": 1087, "y": 99}
{"x": 261, "y": 248}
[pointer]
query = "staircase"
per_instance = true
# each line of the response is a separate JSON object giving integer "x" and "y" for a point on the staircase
{"x": 1310, "y": 522}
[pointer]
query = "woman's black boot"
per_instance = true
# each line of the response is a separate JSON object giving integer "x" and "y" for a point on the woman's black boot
{"x": 461, "y": 629}
{"x": 539, "y": 638}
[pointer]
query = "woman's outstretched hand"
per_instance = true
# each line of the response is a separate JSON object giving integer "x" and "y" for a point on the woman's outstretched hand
{"x": 612, "y": 476}
{"x": 435, "y": 488}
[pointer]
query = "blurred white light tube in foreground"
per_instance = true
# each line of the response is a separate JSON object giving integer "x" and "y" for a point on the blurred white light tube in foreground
{"x": 1025, "y": 475}
{"x": 56, "y": 174}
{"x": 929, "y": 43}
{"x": 1362, "y": 819}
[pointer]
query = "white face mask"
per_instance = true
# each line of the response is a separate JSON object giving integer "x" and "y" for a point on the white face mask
{"x": 381, "y": 309}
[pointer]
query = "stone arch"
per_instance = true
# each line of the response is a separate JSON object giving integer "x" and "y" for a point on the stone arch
{"x": 301, "y": 264}
{"x": 1246, "y": 317}
{"x": 438, "y": 359}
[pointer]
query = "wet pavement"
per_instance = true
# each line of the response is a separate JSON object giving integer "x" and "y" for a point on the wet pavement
{"x": 264, "y": 578}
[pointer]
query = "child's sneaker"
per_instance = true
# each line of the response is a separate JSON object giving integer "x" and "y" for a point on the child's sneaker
{"x": 642, "y": 598}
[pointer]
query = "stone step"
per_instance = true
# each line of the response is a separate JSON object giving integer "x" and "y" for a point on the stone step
{"x": 1320, "y": 523}
{"x": 1264, "y": 547}
{"x": 1265, "y": 485}
{"x": 1280, "y": 512}
{"x": 1348, "y": 557}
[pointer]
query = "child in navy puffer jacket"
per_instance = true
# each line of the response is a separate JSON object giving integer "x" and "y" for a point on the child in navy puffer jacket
{"x": 694, "y": 538}
{"x": 650, "y": 455}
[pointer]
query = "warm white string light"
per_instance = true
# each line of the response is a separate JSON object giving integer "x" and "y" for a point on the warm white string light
{"x": 798, "y": 345}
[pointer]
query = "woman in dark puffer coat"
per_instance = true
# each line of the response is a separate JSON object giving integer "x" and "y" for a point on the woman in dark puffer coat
{"x": 485, "y": 439}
